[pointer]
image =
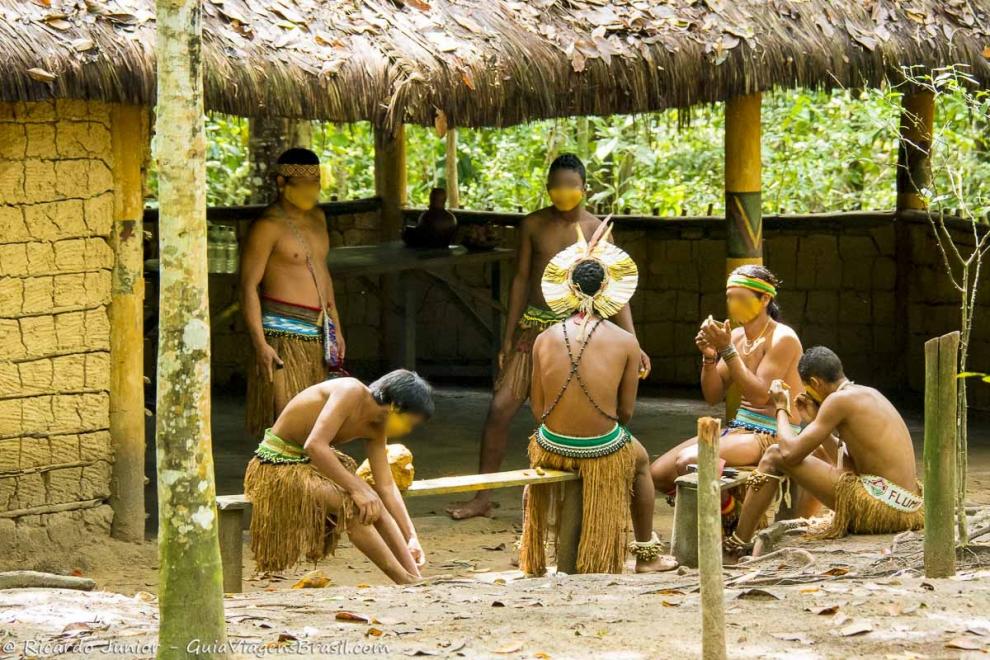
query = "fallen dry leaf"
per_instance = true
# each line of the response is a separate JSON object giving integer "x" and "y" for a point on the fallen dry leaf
{"x": 511, "y": 647}
{"x": 838, "y": 570}
{"x": 419, "y": 4}
{"x": 312, "y": 580}
{"x": 344, "y": 615}
{"x": 964, "y": 644}
{"x": 826, "y": 610}
{"x": 982, "y": 631}
{"x": 857, "y": 628}
{"x": 757, "y": 594}
{"x": 374, "y": 632}
{"x": 793, "y": 637}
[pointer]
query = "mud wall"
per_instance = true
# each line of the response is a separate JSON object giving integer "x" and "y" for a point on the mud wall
{"x": 56, "y": 209}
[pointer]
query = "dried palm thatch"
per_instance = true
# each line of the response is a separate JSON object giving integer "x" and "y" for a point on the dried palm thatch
{"x": 486, "y": 62}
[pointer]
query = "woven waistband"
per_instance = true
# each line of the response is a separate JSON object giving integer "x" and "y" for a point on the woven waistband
{"x": 583, "y": 447}
{"x": 757, "y": 422}
{"x": 538, "y": 318}
{"x": 274, "y": 449}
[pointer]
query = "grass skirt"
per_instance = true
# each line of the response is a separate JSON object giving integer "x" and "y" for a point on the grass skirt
{"x": 295, "y": 512}
{"x": 304, "y": 366}
{"x": 607, "y": 492}
{"x": 857, "y": 512}
{"x": 517, "y": 370}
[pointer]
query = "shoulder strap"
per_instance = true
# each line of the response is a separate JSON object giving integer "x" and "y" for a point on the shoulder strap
{"x": 328, "y": 335}
{"x": 575, "y": 363}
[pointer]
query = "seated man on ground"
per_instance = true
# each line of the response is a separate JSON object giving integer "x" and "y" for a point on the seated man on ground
{"x": 583, "y": 423}
{"x": 304, "y": 490}
{"x": 873, "y": 488}
{"x": 759, "y": 350}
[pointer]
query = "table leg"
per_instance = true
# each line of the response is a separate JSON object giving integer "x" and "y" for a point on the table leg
{"x": 409, "y": 324}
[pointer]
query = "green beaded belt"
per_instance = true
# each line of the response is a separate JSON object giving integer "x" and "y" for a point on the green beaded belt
{"x": 587, "y": 447}
{"x": 274, "y": 449}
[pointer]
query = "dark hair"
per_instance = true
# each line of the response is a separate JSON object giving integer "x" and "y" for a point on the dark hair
{"x": 820, "y": 362}
{"x": 762, "y": 273}
{"x": 298, "y": 156}
{"x": 588, "y": 276}
{"x": 406, "y": 390}
{"x": 567, "y": 162}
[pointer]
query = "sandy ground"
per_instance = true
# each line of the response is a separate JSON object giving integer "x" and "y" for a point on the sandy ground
{"x": 470, "y": 605}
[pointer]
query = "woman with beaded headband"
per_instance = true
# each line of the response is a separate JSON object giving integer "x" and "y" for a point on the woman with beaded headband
{"x": 745, "y": 353}
{"x": 287, "y": 295}
{"x": 585, "y": 377}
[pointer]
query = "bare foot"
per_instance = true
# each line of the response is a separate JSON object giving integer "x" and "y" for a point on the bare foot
{"x": 471, "y": 509}
{"x": 658, "y": 565}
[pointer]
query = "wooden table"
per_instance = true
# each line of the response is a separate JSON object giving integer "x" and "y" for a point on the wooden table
{"x": 401, "y": 267}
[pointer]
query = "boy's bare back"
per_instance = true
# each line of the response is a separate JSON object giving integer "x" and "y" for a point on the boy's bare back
{"x": 351, "y": 395}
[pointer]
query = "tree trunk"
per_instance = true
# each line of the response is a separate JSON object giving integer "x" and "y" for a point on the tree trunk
{"x": 191, "y": 591}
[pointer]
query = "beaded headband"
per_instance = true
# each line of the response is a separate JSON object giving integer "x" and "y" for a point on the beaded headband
{"x": 751, "y": 283}
{"x": 289, "y": 169}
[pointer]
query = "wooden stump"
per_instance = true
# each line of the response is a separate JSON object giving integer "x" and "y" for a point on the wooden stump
{"x": 710, "y": 541}
{"x": 941, "y": 360}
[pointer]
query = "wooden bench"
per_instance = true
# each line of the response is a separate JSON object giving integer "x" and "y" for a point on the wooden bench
{"x": 684, "y": 538}
{"x": 231, "y": 513}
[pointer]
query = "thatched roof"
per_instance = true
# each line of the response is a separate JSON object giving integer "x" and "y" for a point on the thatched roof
{"x": 486, "y": 62}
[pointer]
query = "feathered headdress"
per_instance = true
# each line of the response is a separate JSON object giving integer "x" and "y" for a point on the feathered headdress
{"x": 565, "y": 297}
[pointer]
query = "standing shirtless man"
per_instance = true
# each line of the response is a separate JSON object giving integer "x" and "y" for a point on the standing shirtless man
{"x": 292, "y": 321}
{"x": 758, "y": 351}
{"x": 543, "y": 234}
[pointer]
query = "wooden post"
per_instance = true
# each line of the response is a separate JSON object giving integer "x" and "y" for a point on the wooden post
{"x": 390, "y": 178}
{"x": 710, "y": 541}
{"x": 941, "y": 360}
{"x": 191, "y": 584}
{"x": 453, "y": 194}
{"x": 129, "y": 141}
{"x": 914, "y": 169}
{"x": 743, "y": 212}
{"x": 569, "y": 527}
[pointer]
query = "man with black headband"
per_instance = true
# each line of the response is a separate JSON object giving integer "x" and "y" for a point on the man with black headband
{"x": 749, "y": 350}
{"x": 287, "y": 294}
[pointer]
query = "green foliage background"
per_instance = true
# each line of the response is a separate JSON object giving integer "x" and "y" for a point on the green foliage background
{"x": 821, "y": 152}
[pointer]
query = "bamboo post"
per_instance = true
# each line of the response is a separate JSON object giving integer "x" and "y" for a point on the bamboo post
{"x": 941, "y": 360}
{"x": 743, "y": 209}
{"x": 453, "y": 194}
{"x": 710, "y": 541}
{"x": 191, "y": 584}
{"x": 129, "y": 142}
{"x": 914, "y": 170}
{"x": 743, "y": 212}
{"x": 390, "y": 178}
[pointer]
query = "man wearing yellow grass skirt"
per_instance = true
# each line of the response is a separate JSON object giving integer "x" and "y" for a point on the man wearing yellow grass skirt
{"x": 305, "y": 492}
{"x": 749, "y": 351}
{"x": 585, "y": 378}
{"x": 872, "y": 487}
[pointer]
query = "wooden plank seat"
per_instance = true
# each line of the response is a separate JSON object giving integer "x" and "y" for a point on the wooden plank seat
{"x": 684, "y": 538}
{"x": 231, "y": 513}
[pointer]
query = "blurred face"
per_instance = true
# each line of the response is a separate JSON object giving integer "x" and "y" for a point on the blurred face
{"x": 566, "y": 189}
{"x": 301, "y": 191}
{"x": 744, "y": 305}
{"x": 398, "y": 424}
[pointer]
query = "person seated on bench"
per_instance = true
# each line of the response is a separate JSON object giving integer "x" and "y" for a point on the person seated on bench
{"x": 873, "y": 488}
{"x": 759, "y": 350}
{"x": 303, "y": 490}
{"x": 583, "y": 423}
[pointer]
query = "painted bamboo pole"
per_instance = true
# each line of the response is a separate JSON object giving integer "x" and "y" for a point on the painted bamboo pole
{"x": 390, "y": 178}
{"x": 710, "y": 541}
{"x": 743, "y": 212}
{"x": 941, "y": 360}
{"x": 450, "y": 164}
{"x": 914, "y": 170}
{"x": 190, "y": 594}
{"x": 129, "y": 141}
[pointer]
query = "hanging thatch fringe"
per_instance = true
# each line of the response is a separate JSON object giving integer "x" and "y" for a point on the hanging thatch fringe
{"x": 486, "y": 63}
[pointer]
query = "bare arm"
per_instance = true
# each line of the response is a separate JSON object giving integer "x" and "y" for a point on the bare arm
{"x": 537, "y": 402}
{"x": 257, "y": 249}
{"x": 794, "y": 448}
{"x": 629, "y": 384}
{"x": 519, "y": 291}
{"x": 774, "y": 365}
{"x": 385, "y": 486}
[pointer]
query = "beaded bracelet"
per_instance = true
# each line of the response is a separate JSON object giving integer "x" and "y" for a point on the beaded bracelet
{"x": 728, "y": 352}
